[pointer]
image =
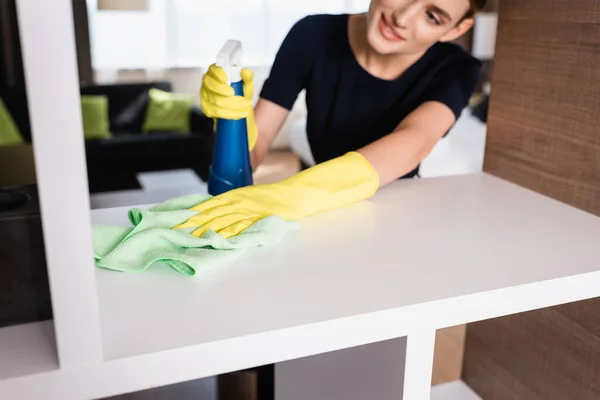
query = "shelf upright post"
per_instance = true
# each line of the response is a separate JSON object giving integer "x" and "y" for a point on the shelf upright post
{"x": 50, "y": 65}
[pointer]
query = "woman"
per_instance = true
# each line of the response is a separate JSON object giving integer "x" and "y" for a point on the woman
{"x": 381, "y": 89}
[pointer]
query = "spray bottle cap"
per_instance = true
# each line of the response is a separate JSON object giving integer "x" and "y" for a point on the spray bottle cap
{"x": 229, "y": 58}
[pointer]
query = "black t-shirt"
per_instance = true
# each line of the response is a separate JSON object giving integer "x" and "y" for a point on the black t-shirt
{"x": 348, "y": 108}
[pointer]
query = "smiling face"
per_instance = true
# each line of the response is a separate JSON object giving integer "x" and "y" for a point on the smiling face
{"x": 412, "y": 26}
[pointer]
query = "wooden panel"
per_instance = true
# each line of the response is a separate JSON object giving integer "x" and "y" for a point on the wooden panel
{"x": 448, "y": 356}
{"x": 543, "y": 134}
{"x": 545, "y": 354}
{"x": 544, "y": 122}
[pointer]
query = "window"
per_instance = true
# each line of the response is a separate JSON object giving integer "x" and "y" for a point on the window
{"x": 189, "y": 33}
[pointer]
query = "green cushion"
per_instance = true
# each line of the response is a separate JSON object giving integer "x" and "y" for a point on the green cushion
{"x": 94, "y": 113}
{"x": 9, "y": 132}
{"x": 168, "y": 112}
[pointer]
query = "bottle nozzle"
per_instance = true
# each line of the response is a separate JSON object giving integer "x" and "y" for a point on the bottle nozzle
{"x": 229, "y": 58}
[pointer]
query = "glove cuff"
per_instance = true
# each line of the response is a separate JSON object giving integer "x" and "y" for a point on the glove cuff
{"x": 332, "y": 184}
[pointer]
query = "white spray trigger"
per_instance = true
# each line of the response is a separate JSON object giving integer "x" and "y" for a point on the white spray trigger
{"x": 229, "y": 58}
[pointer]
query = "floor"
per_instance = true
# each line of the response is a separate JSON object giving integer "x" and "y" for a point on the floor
{"x": 460, "y": 152}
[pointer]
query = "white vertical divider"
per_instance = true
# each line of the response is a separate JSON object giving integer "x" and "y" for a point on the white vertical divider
{"x": 50, "y": 65}
{"x": 418, "y": 369}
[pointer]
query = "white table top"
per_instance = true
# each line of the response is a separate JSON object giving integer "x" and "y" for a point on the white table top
{"x": 421, "y": 254}
{"x": 419, "y": 249}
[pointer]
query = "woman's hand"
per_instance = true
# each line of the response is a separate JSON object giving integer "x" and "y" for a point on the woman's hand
{"x": 232, "y": 212}
{"x": 218, "y": 99}
{"x": 332, "y": 184}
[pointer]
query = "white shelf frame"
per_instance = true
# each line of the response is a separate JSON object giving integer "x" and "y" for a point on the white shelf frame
{"x": 49, "y": 54}
{"x": 50, "y": 66}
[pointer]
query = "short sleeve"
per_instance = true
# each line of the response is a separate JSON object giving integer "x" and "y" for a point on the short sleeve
{"x": 291, "y": 68}
{"x": 455, "y": 87}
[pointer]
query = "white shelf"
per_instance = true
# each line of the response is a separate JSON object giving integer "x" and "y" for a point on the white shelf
{"x": 423, "y": 254}
{"x": 457, "y": 390}
{"x": 27, "y": 349}
{"x": 435, "y": 251}
{"x": 50, "y": 67}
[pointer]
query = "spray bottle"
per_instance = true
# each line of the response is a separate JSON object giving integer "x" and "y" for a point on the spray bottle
{"x": 230, "y": 167}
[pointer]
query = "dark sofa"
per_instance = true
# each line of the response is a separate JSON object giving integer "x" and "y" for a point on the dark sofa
{"x": 113, "y": 163}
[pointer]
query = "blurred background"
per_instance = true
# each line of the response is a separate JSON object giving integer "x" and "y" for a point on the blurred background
{"x": 131, "y": 51}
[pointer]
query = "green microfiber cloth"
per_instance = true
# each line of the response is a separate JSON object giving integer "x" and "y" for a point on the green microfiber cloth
{"x": 151, "y": 239}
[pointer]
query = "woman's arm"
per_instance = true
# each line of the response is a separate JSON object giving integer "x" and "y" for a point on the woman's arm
{"x": 269, "y": 118}
{"x": 401, "y": 151}
{"x": 328, "y": 185}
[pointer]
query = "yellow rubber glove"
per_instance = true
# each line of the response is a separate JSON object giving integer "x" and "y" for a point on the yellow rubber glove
{"x": 332, "y": 184}
{"x": 218, "y": 99}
